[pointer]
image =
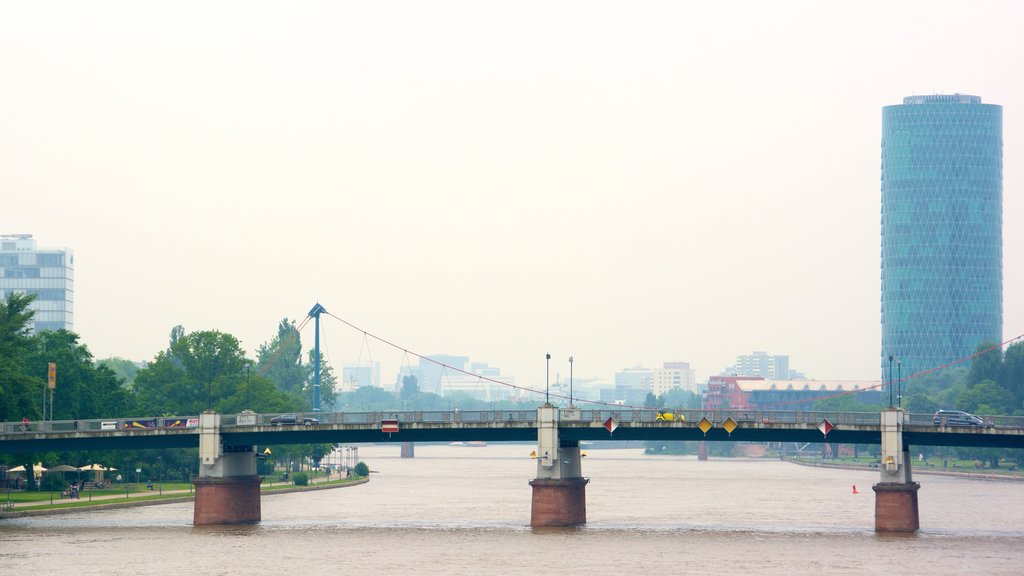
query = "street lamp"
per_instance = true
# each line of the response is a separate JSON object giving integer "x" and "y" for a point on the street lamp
{"x": 547, "y": 380}
{"x": 890, "y": 380}
{"x": 570, "y": 381}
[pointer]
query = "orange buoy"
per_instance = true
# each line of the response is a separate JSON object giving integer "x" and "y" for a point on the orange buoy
{"x": 855, "y": 489}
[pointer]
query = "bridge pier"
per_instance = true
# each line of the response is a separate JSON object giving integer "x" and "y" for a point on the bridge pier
{"x": 559, "y": 490}
{"x": 227, "y": 488}
{"x": 702, "y": 451}
{"x": 896, "y": 508}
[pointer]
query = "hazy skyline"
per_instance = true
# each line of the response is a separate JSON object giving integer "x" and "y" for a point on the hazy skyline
{"x": 625, "y": 183}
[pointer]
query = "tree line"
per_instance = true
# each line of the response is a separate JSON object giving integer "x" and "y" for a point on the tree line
{"x": 197, "y": 371}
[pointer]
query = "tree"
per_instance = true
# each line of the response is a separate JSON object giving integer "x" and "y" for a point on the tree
{"x": 280, "y": 360}
{"x": 84, "y": 390}
{"x": 213, "y": 362}
{"x": 18, "y": 390}
{"x": 202, "y": 370}
{"x": 1012, "y": 377}
{"x": 258, "y": 393}
{"x": 679, "y": 398}
{"x": 986, "y": 366}
{"x": 652, "y": 401}
{"x": 370, "y": 399}
{"x": 177, "y": 333}
{"x": 986, "y": 397}
{"x": 124, "y": 369}
{"x": 160, "y": 388}
{"x": 19, "y": 393}
{"x": 921, "y": 403}
{"x": 409, "y": 386}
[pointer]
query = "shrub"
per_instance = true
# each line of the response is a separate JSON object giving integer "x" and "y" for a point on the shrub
{"x": 300, "y": 479}
{"x": 361, "y": 469}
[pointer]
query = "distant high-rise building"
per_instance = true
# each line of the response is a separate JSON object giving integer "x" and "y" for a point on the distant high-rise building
{"x": 774, "y": 367}
{"x": 942, "y": 246}
{"x": 672, "y": 375}
{"x": 46, "y": 272}
{"x": 353, "y": 377}
{"x": 431, "y": 374}
{"x": 636, "y": 378}
{"x": 446, "y": 374}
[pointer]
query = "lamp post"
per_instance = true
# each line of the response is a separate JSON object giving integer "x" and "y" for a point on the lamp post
{"x": 547, "y": 380}
{"x": 570, "y": 381}
{"x": 890, "y": 380}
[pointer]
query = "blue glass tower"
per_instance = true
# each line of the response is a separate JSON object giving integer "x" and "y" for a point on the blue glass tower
{"x": 942, "y": 238}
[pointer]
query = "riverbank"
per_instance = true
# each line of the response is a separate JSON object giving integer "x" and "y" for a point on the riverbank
{"x": 111, "y": 502}
{"x": 1006, "y": 477}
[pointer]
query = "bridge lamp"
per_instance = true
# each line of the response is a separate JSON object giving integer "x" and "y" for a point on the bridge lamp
{"x": 890, "y": 380}
{"x": 570, "y": 380}
{"x": 547, "y": 380}
{"x": 899, "y": 383}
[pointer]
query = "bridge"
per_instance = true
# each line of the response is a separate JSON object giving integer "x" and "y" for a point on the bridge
{"x": 227, "y": 488}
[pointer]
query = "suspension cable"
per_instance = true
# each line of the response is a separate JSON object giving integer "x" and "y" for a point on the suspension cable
{"x": 479, "y": 376}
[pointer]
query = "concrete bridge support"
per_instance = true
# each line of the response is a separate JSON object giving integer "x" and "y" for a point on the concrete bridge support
{"x": 227, "y": 488}
{"x": 559, "y": 490}
{"x": 408, "y": 450}
{"x": 896, "y": 508}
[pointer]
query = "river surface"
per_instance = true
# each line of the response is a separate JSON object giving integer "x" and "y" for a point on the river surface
{"x": 466, "y": 510}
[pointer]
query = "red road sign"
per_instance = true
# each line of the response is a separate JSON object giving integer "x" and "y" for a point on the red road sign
{"x": 611, "y": 425}
{"x": 389, "y": 426}
{"x": 825, "y": 427}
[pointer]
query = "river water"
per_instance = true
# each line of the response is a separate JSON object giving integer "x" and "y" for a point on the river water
{"x": 463, "y": 510}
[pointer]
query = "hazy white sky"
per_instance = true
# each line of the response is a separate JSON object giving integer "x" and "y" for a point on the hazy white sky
{"x": 626, "y": 182}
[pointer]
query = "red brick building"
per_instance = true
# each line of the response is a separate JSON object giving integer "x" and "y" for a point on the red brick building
{"x": 725, "y": 393}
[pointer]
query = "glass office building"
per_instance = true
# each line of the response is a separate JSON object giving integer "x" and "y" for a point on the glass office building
{"x": 48, "y": 273}
{"x": 942, "y": 245}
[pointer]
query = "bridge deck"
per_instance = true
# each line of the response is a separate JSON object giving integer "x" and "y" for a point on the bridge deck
{"x": 498, "y": 426}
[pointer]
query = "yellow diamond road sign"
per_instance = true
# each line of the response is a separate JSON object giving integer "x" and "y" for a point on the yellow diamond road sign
{"x": 704, "y": 425}
{"x": 730, "y": 425}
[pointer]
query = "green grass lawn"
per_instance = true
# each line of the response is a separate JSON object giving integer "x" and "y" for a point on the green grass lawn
{"x": 132, "y": 493}
{"x": 119, "y": 490}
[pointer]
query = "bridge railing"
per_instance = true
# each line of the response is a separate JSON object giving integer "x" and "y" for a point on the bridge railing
{"x": 666, "y": 416}
{"x": 719, "y": 416}
{"x": 97, "y": 425}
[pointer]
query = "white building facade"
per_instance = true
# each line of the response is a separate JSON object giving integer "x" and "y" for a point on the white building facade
{"x": 46, "y": 272}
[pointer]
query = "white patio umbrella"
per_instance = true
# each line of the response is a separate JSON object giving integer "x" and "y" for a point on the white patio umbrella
{"x": 92, "y": 467}
{"x": 37, "y": 469}
{"x": 99, "y": 469}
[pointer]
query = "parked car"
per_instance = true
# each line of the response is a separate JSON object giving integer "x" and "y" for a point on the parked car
{"x": 956, "y": 418}
{"x": 292, "y": 419}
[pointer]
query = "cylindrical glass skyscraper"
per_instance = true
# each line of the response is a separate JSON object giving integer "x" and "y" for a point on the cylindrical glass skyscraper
{"x": 942, "y": 236}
